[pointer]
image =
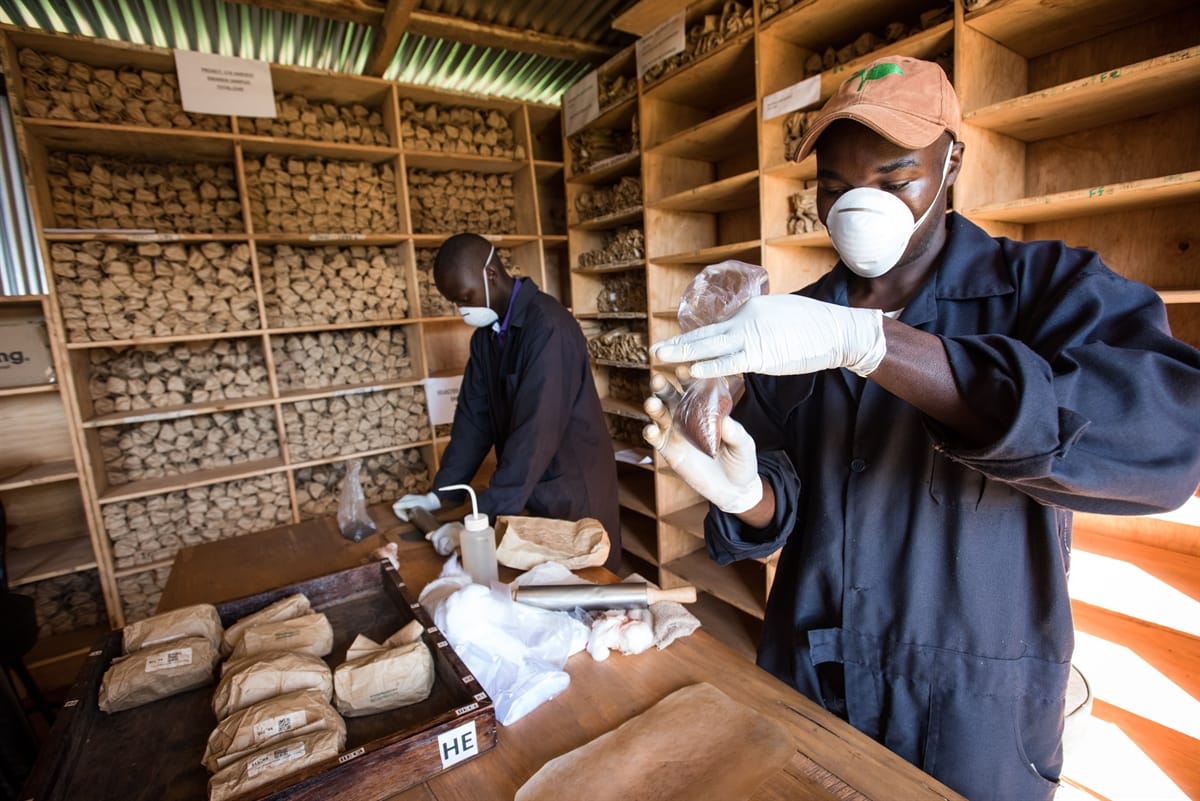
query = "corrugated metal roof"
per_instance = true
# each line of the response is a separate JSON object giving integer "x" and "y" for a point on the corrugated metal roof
{"x": 216, "y": 26}
{"x": 21, "y": 270}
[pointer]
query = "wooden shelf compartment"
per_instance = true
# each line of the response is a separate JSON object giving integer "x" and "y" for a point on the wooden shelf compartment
{"x": 41, "y": 518}
{"x": 424, "y": 445}
{"x": 544, "y": 130}
{"x": 617, "y": 315}
{"x": 34, "y": 431}
{"x": 37, "y": 474}
{"x": 441, "y": 162}
{"x": 617, "y": 116}
{"x": 720, "y": 80}
{"x": 748, "y": 251}
{"x": 817, "y": 24}
{"x": 623, "y": 408}
{"x": 689, "y": 519}
{"x": 1033, "y": 27}
{"x": 728, "y": 194}
{"x": 144, "y": 143}
{"x": 614, "y": 219}
{"x": 165, "y": 340}
{"x": 200, "y": 478}
{"x": 780, "y": 167}
{"x": 255, "y": 146}
{"x": 176, "y": 412}
{"x": 635, "y": 489}
{"x": 715, "y": 139}
{"x": 434, "y": 240}
{"x": 1124, "y": 196}
{"x": 32, "y": 389}
{"x": 1111, "y": 96}
{"x": 1170, "y": 296}
{"x": 614, "y": 363}
{"x": 743, "y": 585}
{"x": 74, "y": 644}
{"x": 638, "y": 535}
{"x": 614, "y": 267}
{"x": 50, "y": 560}
{"x": 341, "y": 391}
{"x": 813, "y": 239}
{"x": 607, "y": 170}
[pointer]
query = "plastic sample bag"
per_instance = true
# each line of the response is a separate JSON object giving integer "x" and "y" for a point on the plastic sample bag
{"x": 712, "y": 297}
{"x": 353, "y": 519}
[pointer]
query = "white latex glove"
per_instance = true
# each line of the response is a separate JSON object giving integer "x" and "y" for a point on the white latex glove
{"x": 730, "y": 479}
{"x": 782, "y": 335}
{"x": 445, "y": 538}
{"x": 429, "y": 503}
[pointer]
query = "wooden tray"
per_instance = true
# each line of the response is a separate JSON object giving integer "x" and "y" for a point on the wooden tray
{"x": 153, "y": 752}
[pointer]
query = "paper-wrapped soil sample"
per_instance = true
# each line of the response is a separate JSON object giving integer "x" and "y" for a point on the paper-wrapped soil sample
{"x": 283, "y": 609}
{"x": 259, "y": 725}
{"x": 274, "y": 762}
{"x": 384, "y": 680}
{"x": 157, "y": 671}
{"x": 527, "y": 542}
{"x": 200, "y": 620}
{"x": 308, "y": 634}
{"x": 257, "y": 678}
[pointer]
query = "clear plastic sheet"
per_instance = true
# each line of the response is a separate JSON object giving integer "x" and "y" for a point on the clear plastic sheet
{"x": 712, "y": 297}
{"x": 353, "y": 519}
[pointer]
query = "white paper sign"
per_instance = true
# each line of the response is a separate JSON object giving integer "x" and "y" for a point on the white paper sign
{"x": 797, "y": 96}
{"x": 211, "y": 84}
{"x": 175, "y": 658}
{"x": 581, "y": 103}
{"x": 441, "y": 395}
{"x": 457, "y": 744}
{"x": 663, "y": 42}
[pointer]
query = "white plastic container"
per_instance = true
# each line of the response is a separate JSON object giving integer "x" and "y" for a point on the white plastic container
{"x": 478, "y": 542}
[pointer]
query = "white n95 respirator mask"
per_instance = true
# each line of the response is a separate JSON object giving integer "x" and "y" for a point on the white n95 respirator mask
{"x": 481, "y": 316}
{"x": 871, "y": 228}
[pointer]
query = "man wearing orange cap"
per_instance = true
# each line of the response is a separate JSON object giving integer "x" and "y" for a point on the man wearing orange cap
{"x": 915, "y": 428}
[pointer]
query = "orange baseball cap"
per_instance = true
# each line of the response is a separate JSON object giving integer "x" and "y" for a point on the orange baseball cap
{"x": 905, "y": 100}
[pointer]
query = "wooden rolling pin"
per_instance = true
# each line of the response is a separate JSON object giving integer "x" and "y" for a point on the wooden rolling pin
{"x": 632, "y": 594}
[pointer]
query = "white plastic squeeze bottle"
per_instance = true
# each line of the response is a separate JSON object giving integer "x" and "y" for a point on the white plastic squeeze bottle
{"x": 478, "y": 542}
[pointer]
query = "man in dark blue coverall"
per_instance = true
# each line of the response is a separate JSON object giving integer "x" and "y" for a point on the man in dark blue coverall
{"x": 527, "y": 391}
{"x": 915, "y": 429}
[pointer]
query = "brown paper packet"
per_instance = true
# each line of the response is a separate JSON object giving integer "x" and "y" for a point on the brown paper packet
{"x": 157, "y": 671}
{"x": 257, "y": 678}
{"x": 274, "y": 762}
{"x": 308, "y": 634}
{"x": 697, "y": 743}
{"x": 527, "y": 542}
{"x": 283, "y": 609}
{"x": 258, "y": 725}
{"x": 200, "y": 620}
{"x": 384, "y": 680}
{"x": 364, "y": 645}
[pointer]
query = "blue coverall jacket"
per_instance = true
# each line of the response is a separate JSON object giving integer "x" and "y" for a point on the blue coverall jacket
{"x": 932, "y": 572}
{"x": 535, "y": 400}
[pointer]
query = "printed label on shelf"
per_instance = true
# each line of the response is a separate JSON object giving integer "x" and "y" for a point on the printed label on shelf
{"x": 797, "y": 96}
{"x": 581, "y": 103}
{"x": 663, "y": 42}
{"x": 225, "y": 85}
{"x": 457, "y": 744}
{"x": 176, "y": 657}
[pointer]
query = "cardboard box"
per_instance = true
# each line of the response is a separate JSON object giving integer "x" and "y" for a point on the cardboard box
{"x": 24, "y": 352}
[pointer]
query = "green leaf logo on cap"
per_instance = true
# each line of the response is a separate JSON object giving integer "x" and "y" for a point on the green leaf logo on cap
{"x": 875, "y": 73}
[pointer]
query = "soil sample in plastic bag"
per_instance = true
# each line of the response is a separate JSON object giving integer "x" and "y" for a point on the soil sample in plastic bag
{"x": 713, "y": 296}
{"x": 353, "y": 519}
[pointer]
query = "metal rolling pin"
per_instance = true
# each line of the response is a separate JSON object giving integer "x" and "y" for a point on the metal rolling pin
{"x": 633, "y": 594}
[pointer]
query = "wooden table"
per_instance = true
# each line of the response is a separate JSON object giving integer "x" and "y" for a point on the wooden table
{"x": 832, "y": 759}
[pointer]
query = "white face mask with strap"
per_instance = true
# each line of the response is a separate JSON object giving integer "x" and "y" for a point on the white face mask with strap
{"x": 871, "y": 228}
{"x": 481, "y": 316}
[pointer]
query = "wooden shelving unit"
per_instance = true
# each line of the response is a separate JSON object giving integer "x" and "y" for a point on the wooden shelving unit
{"x": 1067, "y": 107}
{"x": 279, "y": 261}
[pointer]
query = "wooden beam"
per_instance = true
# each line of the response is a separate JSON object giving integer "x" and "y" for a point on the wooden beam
{"x": 388, "y": 32}
{"x": 441, "y": 26}
{"x": 645, "y": 16}
{"x": 456, "y": 29}
{"x": 367, "y": 12}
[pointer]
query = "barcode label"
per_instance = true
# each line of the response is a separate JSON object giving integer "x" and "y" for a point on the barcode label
{"x": 284, "y": 723}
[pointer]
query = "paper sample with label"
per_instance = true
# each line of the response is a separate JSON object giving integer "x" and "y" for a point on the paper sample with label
{"x": 257, "y": 678}
{"x": 308, "y": 634}
{"x": 283, "y": 609}
{"x": 200, "y": 620}
{"x": 157, "y": 671}
{"x": 384, "y": 680}
{"x": 258, "y": 725}
{"x": 274, "y": 762}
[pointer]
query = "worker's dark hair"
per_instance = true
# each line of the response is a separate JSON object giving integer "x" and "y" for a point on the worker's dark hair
{"x": 462, "y": 252}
